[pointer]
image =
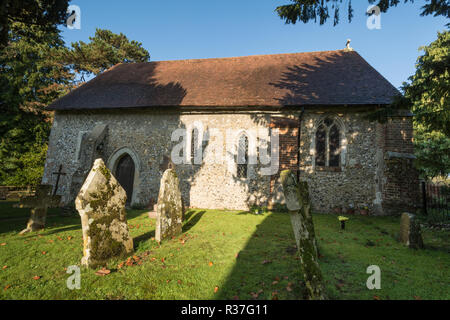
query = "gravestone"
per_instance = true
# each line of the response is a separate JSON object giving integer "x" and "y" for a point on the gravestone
{"x": 38, "y": 204}
{"x": 169, "y": 211}
{"x": 299, "y": 207}
{"x": 410, "y": 233}
{"x": 101, "y": 205}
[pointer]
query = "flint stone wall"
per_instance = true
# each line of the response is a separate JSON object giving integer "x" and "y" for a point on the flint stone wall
{"x": 146, "y": 137}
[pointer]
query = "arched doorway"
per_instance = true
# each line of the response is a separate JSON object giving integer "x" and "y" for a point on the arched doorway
{"x": 125, "y": 175}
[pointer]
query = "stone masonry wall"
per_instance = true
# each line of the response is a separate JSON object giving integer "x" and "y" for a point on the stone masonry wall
{"x": 398, "y": 189}
{"x": 146, "y": 136}
{"x": 353, "y": 183}
{"x": 363, "y": 178}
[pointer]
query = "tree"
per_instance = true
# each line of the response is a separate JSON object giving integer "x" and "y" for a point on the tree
{"x": 307, "y": 10}
{"x": 35, "y": 69}
{"x": 428, "y": 90}
{"x": 103, "y": 51}
{"x": 427, "y": 93}
{"x": 30, "y": 79}
{"x": 432, "y": 152}
{"x": 43, "y": 13}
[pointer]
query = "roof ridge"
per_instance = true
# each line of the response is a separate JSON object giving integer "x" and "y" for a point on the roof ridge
{"x": 250, "y": 56}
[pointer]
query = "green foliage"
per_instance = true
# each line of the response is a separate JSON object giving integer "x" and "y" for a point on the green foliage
{"x": 103, "y": 51}
{"x": 433, "y": 153}
{"x": 311, "y": 10}
{"x": 429, "y": 88}
{"x": 427, "y": 93}
{"x": 42, "y": 13}
{"x": 30, "y": 80}
{"x": 35, "y": 69}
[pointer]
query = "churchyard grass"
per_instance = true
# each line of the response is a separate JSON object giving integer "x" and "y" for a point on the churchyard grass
{"x": 222, "y": 255}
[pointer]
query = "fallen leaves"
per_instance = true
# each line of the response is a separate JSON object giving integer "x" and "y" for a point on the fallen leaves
{"x": 3, "y": 244}
{"x": 103, "y": 272}
{"x": 255, "y": 295}
{"x": 129, "y": 262}
{"x": 275, "y": 295}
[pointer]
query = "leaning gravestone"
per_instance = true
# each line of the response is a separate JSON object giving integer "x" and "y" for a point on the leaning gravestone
{"x": 410, "y": 233}
{"x": 298, "y": 205}
{"x": 169, "y": 212}
{"x": 101, "y": 205}
{"x": 38, "y": 204}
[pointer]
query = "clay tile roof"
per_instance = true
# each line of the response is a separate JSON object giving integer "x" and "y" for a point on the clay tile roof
{"x": 298, "y": 79}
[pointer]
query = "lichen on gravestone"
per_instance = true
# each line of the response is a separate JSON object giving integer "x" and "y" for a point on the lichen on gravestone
{"x": 299, "y": 207}
{"x": 101, "y": 205}
{"x": 169, "y": 212}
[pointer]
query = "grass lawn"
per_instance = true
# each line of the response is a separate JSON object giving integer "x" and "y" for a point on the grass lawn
{"x": 222, "y": 255}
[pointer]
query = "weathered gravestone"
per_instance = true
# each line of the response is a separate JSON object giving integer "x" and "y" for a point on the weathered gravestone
{"x": 169, "y": 211}
{"x": 410, "y": 233}
{"x": 299, "y": 207}
{"x": 38, "y": 204}
{"x": 101, "y": 205}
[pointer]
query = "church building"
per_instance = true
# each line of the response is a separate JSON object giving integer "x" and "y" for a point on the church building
{"x": 229, "y": 126}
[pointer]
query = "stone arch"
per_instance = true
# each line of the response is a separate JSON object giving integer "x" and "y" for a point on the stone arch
{"x": 113, "y": 161}
{"x": 340, "y": 124}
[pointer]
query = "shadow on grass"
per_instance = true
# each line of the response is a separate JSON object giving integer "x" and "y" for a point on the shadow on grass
{"x": 268, "y": 266}
{"x": 191, "y": 218}
{"x": 143, "y": 238}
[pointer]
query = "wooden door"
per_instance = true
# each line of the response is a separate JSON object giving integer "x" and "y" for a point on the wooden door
{"x": 125, "y": 175}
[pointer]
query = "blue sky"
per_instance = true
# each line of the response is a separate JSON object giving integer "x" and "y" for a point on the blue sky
{"x": 181, "y": 29}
